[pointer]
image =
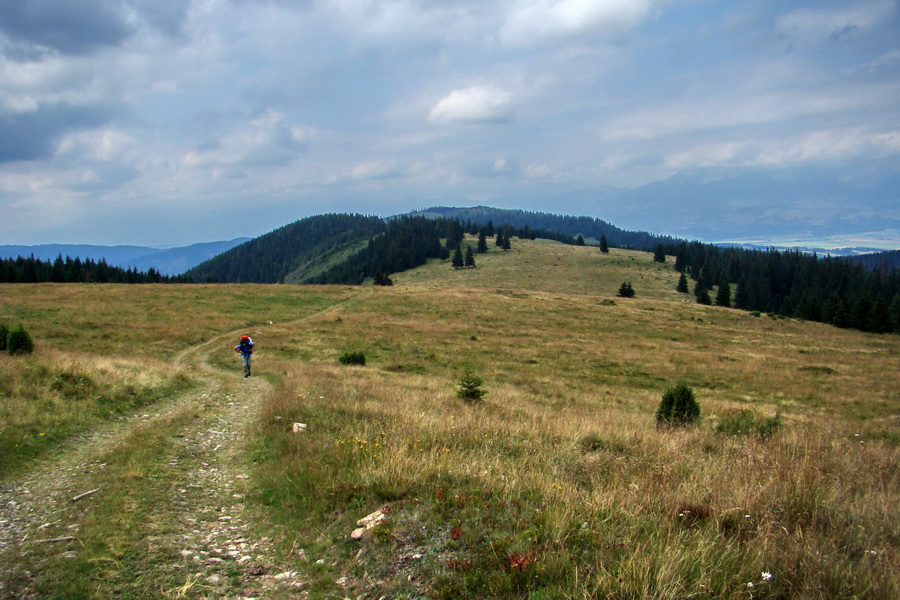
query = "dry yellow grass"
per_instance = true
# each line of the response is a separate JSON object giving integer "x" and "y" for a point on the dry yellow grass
{"x": 558, "y": 485}
{"x": 559, "y": 368}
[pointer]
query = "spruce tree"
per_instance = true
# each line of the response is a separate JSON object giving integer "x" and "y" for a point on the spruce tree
{"x": 659, "y": 254}
{"x": 604, "y": 247}
{"x": 458, "y": 261}
{"x": 682, "y": 284}
{"x": 579, "y": 241}
{"x": 506, "y": 245}
{"x": 895, "y": 312}
{"x": 482, "y": 241}
{"x": 469, "y": 260}
{"x": 625, "y": 290}
{"x": 4, "y": 336}
{"x": 723, "y": 296}
{"x": 499, "y": 240}
{"x": 681, "y": 258}
{"x": 879, "y": 320}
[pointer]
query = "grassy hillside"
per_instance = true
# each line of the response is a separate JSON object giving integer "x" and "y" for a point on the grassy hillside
{"x": 558, "y": 484}
{"x": 544, "y": 265}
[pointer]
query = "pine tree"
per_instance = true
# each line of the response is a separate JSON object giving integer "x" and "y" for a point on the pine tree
{"x": 482, "y": 242}
{"x": 382, "y": 279}
{"x": 506, "y": 245}
{"x": 703, "y": 296}
{"x": 499, "y": 240}
{"x": 579, "y": 241}
{"x": 895, "y": 311}
{"x": 681, "y": 258}
{"x": 723, "y": 296}
{"x": 879, "y": 320}
{"x": 604, "y": 247}
{"x": 458, "y": 261}
{"x": 469, "y": 260}
{"x": 682, "y": 284}
{"x": 625, "y": 290}
{"x": 659, "y": 254}
{"x": 4, "y": 336}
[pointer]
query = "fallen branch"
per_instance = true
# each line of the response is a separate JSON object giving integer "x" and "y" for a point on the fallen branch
{"x": 80, "y": 496}
{"x": 68, "y": 538}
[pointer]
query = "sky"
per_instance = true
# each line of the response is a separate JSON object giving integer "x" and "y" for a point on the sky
{"x": 170, "y": 122}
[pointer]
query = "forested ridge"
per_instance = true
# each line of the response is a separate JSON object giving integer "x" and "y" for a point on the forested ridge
{"x": 560, "y": 227}
{"x": 838, "y": 291}
{"x": 829, "y": 290}
{"x": 271, "y": 257}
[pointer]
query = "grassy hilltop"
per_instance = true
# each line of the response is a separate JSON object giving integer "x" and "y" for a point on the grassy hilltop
{"x": 557, "y": 485}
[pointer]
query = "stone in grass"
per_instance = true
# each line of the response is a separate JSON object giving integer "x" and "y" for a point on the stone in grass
{"x": 367, "y": 523}
{"x": 299, "y": 428}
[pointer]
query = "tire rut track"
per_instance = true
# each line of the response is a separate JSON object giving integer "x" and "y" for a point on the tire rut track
{"x": 208, "y": 529}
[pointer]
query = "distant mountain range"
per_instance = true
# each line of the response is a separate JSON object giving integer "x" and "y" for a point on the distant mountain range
{"x": 168, "y": 261}
{"x": 305, "y": 250}
{"x": 808, "y": 205}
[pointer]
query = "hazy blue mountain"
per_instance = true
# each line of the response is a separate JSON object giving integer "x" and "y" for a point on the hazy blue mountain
{"x": 168, "y": 261}
{"x": 700, "y": 206}
{"x": 176, "y": 261}
{"x": 113, "y": 254}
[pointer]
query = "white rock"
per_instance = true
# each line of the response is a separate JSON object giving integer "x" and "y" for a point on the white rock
{"x": 299, "y": 428}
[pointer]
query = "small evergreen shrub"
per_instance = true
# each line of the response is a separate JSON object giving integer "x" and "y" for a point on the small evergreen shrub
{"x": 625, "y": 290}
{"x": 469, "y": 386}
{"x": 19, "y": 342}
{"x": 4, "y": 335}
{"x": 353, "y": 358}
{"x": 678, "y": 407}
{"x": 747, "y": 422}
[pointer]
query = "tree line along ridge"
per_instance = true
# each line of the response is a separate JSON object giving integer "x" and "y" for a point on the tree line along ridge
{"x": 350, "y": 249}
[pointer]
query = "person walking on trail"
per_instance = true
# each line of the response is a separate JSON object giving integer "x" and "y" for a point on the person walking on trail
{"x": 245, "y": 349}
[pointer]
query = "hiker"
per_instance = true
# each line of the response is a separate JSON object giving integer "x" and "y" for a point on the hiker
{"x": 245, "y": 348}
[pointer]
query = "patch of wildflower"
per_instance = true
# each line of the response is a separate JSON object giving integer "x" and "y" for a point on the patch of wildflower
{"x": 371, "y": 448}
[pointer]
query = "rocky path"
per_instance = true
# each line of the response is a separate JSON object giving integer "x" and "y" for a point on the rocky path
{"x": 209, "y": 534}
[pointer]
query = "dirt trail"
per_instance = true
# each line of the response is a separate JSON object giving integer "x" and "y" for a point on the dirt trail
{"x": 210, "y": 534}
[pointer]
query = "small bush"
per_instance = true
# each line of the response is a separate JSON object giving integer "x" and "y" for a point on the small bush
{"x": 4, "y": 335}
{"x": 469, "y": 386}
{"x": 353, "y": 358}
{"x": 678, "y": 408}
{"x": 747, "y": 422}
{"x": 19, "y": 342}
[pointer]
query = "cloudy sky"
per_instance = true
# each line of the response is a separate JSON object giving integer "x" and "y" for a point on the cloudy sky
{"x": 168, "y": 122}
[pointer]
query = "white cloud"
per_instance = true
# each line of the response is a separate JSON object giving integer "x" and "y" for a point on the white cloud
{"x": 263, "y": 141}
{"x": 826, "y": 146}
{"x": 532, "y": 21}
{"x": 478, "y": 104}
{"x": 379, "y": 169}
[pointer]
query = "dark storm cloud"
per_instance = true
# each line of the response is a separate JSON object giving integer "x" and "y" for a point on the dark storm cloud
{"x": 33, "y": 135}
{"x": 81, "y": 27}
{"x": 69, "y": 26}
